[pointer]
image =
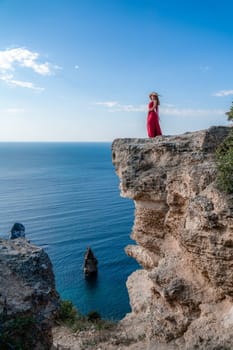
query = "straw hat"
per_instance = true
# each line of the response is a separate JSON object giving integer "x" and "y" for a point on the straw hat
{"x": 153, "y": 94}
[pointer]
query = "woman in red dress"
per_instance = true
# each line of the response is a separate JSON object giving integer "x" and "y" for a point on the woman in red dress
{"x": 153, "y": 127}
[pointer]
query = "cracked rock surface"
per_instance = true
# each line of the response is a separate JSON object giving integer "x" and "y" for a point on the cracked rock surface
{"x": 183, "y": 228}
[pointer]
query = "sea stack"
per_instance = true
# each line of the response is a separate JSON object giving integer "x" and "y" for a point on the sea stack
{"x": 90, "y": 263}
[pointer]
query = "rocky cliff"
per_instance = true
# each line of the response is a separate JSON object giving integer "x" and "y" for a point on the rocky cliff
{"x": 182, "y": 298}
{"x": 28, "y": 298}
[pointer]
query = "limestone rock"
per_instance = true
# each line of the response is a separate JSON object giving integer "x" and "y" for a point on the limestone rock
{"x": 183, "y": 229}
{"x": 28, "y": 297}
{"x": 90, "y": 264}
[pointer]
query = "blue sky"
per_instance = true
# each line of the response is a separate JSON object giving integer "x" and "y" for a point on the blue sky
{"x": 81, "y": 70}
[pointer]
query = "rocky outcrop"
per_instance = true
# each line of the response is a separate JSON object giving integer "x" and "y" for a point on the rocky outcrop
{"x": 90, "y": 264}
{"x": 182, "y": 298}
{"x": 28, "y": 298}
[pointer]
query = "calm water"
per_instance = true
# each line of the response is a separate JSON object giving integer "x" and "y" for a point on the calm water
{"x": 67, "y": 197}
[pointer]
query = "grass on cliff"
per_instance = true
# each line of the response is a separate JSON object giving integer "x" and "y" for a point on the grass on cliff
{"x": 224, "y": 160}
{"x": 98, "y": 330}
{"x": 76, "y": 321}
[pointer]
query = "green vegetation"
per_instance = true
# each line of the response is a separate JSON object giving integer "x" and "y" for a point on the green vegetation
{"x": 17, "y": 334}
{"x": 68, "y": 313}
{"x": 224, "y": 159}
{"x": 93, "y": 316}
{"x": 230, "y": 113}
{"x": 72, "y": 318}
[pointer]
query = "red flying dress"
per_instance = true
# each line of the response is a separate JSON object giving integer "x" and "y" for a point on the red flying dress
{"x": 153, "y": 127}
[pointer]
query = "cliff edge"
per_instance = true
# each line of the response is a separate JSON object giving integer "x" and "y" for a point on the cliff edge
{"x": 28, "y": 298}
{"x": 182, "y": 298}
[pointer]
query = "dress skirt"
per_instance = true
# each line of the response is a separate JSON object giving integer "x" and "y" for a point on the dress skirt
{"x": 153, "y": 127}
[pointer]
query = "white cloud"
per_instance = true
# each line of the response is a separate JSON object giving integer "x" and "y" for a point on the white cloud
{"x": 10, "y": 59}
{"x": 114, "y": 106}
{"x": 188, "y": 112}
{"x": 25, "y": 58}
{"x": 108, "y": 104}
{"x": 25, "y": 84}
{"x": 76, "y": 67}
{"x": 130, "y": 108}
{"x": 9, "y": 79}
{"x": 169, "y": 109}
{"x": 223, "y": 93}
{"x": 14, "y": 110}
{"x": 168, "y": 105}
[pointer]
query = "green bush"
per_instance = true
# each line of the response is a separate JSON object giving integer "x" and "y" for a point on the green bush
{"x": 224, "y": 160}
{"x": 17, "y": 334}
{"x": 70, "y": 316}
{"x": 93, "y": 316}
{"x": 67, "y": 313}
{"x": 230, "y": 113}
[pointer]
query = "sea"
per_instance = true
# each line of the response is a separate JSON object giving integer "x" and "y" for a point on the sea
{"x": 67, "y": 196}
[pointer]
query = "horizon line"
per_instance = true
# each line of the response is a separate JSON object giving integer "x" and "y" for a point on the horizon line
{"x": 51, "y": 141}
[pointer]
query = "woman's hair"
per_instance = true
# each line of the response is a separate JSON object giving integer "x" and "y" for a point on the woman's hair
{"x": 157, "y": 97}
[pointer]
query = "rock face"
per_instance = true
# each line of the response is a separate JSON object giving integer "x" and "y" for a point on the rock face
{"x": 90, "y": 264}
{"x": 183, "y": 296}
{"x": 28, "y": 299}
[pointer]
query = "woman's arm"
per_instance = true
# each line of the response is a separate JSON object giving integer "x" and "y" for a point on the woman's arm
{"x": 153, "y": 107}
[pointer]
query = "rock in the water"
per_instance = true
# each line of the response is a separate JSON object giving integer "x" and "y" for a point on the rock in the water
{"x": 90, "y": 263}
{"x": 17, "y": 231}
